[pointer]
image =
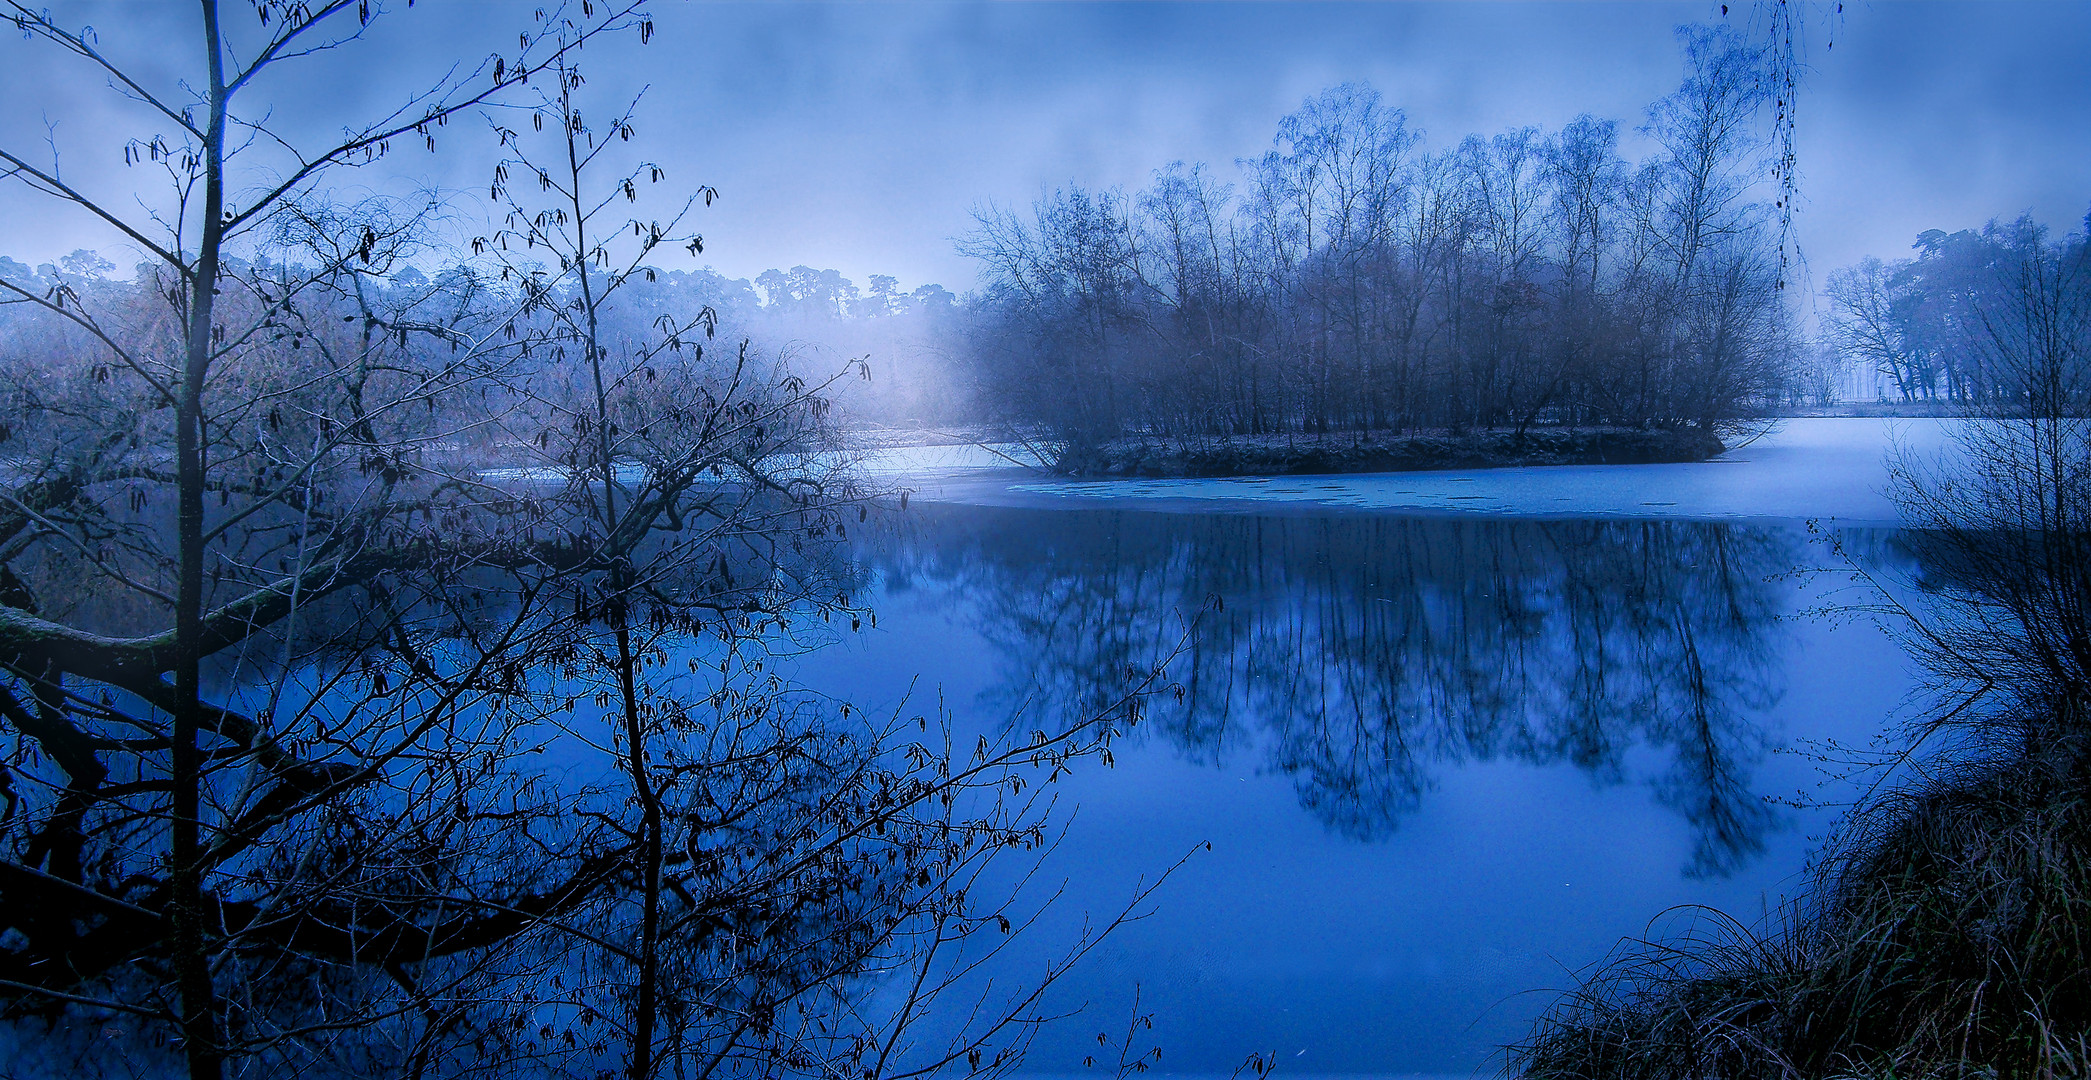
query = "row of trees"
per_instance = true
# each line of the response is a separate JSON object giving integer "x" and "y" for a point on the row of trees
{"x": 897, "y": 337}
{"x": 376, "y": 695}
{"x": 1349, "y": 279}
{"x": 817, "y": 313}
{"x": 901, "y": 338}
{"x": 1962, "y": 320}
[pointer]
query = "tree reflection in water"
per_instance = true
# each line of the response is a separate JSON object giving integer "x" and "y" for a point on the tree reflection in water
{"x": 1361, "y": 655}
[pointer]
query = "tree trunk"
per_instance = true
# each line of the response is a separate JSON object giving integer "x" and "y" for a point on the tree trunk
{"x": 191, "y": 957}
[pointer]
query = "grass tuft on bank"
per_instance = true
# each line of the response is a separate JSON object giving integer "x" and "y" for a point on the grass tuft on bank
{"x": 1944, "y": 938}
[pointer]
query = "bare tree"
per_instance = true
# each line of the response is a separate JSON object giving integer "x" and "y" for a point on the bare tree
{"x": 1350, "y": 284}
{"x": 1864, "y": 323}
{"x": 276, "y": 479}
{"x": 2006, "y": 515}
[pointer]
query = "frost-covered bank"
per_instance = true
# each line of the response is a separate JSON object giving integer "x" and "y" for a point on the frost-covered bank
{"x": 1365, "y": 452}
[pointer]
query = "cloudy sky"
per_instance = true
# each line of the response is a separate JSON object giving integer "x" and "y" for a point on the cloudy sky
{"x": 861, "y": 136}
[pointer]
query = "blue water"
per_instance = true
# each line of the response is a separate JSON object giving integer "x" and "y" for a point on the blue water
{"x": 1442, "y": 764}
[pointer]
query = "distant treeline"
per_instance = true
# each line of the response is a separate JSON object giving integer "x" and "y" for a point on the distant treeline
{"x": 1349, "y": 280}
{"x": 801, "y": 291}
{"x": 1967, "y": 317}
{"x": 822, "y": 321}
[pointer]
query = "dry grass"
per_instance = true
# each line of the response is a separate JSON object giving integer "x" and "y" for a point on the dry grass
{"x": 1946, "y": 938}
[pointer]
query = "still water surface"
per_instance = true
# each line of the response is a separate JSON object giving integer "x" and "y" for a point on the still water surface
{"x": 1443, "y": 763}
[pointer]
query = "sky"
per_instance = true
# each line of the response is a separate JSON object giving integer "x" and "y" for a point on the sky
{"x": 863, "y": 136}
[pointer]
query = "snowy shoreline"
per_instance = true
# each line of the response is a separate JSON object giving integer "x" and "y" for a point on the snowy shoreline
{"x": 1234, "y": 456}
{"x": 1819, "y": 468}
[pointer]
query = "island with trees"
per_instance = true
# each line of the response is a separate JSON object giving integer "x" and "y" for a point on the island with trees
{"x": 1348, "y": 301}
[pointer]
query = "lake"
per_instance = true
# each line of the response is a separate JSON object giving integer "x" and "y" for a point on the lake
{"x": 1445, "y": 756}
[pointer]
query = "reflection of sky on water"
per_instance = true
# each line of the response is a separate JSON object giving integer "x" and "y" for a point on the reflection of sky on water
{"x": 1507, "y": 842}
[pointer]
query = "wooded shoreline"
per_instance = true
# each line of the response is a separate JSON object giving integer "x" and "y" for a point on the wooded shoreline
{"x": 1356, "y": 452}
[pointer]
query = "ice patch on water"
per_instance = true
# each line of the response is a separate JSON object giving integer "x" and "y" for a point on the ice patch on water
{"x": 1828, "y": 468}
